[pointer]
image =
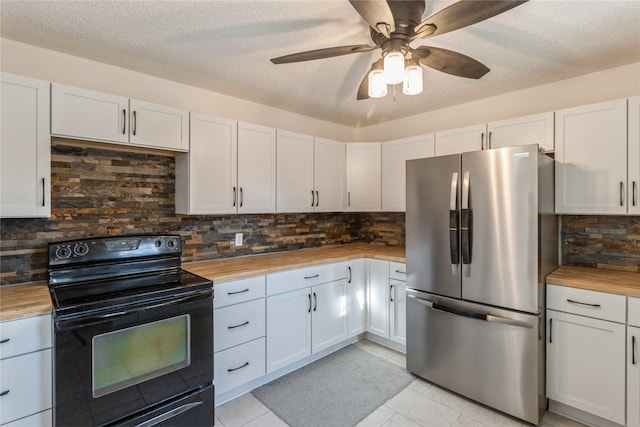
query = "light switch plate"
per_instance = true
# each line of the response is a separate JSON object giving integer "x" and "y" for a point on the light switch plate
{"x": 238, "y": 239}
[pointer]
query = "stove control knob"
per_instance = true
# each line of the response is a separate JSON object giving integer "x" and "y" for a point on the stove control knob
{"x": 81, "y": 249}
{"x": 63, "y": 252}
{"x": 159, "y": 243}
{"x": 171, "y": 243}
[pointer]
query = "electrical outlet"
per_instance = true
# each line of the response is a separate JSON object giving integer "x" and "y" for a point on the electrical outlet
{"x": 238, "y": 239}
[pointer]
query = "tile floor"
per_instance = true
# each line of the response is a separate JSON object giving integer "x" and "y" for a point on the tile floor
{"x": 437, "y": 407}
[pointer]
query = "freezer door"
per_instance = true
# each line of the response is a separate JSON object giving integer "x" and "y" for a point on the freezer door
{"x": 432, "y": 242}
{"x": 489, "y": 355}
{"x": 499, "y": 227}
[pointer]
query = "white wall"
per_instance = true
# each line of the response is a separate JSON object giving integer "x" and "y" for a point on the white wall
{"x": 619, "y": 82}
{"x": 54, "y": 66}
{"x": 31, "y": 61}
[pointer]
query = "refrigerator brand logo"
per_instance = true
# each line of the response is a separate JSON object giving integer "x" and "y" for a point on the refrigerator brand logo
{"x": 521, "y": 155}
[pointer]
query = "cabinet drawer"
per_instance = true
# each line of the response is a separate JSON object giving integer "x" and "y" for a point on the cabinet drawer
{"x": 600, "y": 305}
{"x": 398, "y": 271}
{"x": 239, "y": 365}
{"x": 291, "y": 280}
{"x": 41, "y": 419}
{"x": 237, "y": 324}
{"x": 634, "y": 312}
{"x": 27, "y": 379}
{"x": 25, "y": 335}
{"x": 237, "y": 291}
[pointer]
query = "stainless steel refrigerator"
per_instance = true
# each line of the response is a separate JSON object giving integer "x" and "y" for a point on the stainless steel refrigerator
{"x": 481, "y": 235}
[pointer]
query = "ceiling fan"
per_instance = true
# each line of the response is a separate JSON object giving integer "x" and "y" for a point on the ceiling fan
{"x": 394, "y": 24}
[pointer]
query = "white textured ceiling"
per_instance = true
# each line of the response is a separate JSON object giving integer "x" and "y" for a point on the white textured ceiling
{"x": 225, "y": 46}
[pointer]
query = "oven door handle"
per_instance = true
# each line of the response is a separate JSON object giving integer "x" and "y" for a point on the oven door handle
{"x": 92, "y": 319}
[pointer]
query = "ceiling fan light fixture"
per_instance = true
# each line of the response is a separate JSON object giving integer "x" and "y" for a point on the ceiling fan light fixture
{"x": 412, "y": 84}
{"x": 377, "y": 84}
{"x": 394, "y": 67}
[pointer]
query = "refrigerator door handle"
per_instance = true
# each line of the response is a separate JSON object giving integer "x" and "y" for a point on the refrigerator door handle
{"x": 454, "y": 225}
{"x": 466, "y": 225}
{"x": 478, "y": 316}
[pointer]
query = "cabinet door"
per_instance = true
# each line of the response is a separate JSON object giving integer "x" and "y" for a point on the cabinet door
{"x": 288, "y": 328}
{"x": 591, "y": 159}
{"x": 364, "y": 176}
{"x": 394, "y": 157}
{"x": 25, "y": 148}
{"x": 586, "y": 364}
{"x": 378, "y": 297}
{"x": 633, "y": 194}
{"x": 158, "y": 126}
{"x": 329, "y": 315}
{"x": 330, "y": 171}
{"x": 256, "y": 169}
{"x": 87, "y": 114}
{"x": 455, "y": 141}
{"x": 633, "y": 377}
{"x": 398, "y": 312}
{"x": 206, "y": 176}
{"x": 295, "y": 192}
{"x": 533, "y": 129}
{"x": 356, "y": 298}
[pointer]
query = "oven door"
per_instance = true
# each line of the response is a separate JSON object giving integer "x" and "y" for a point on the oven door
{"x": 123, "y": 364}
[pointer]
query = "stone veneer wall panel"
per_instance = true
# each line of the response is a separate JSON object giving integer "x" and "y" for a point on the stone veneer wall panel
{"x": 611, "y": 242}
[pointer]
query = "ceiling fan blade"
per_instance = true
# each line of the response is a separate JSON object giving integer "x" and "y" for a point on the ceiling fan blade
{"x": 323, "y": 53}
{"x": 462, "y": 14}
{"x": 450, "y": 62}
{"x": 363, "y": 90}
{"x": 377, "y": 13}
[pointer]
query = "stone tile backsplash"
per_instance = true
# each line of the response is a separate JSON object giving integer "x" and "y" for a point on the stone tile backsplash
{"x": 98, "y": 192}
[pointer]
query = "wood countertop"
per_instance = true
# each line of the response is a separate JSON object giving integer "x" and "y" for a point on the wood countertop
{"x": 597, "y": 279}
{"x": 221, "y": 270}
{"x": 31, "y": 299}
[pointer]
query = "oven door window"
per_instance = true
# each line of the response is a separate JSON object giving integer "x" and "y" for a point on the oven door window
{"x": 130, "y": 356}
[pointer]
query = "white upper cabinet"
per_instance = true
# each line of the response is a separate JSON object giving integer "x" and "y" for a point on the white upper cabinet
{"x": 25, "y": 148}
{"x": 295, "y": 190}
{"x": 533, "y": 129}
{"x": 364, "y": 176}
{"x": 206, "y": 177}
{"x": 394, "y": 157}
{"x": 97, "y": 116}
{"x": 591, "y": 159}
{"x": 256, "y": 169}
{"x": 330, "y": 171}
{"x": 633, "y": 184}
{"x": 461, "y": 140}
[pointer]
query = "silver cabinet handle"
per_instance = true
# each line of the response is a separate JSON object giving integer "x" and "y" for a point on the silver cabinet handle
{"x": 5, "y": 340}
{"x": 238, "y": 292}
{"x": 317, "y": 198}
{"x": 348, "y": 199}
{"x": 584, "y": 303}
{"x": 4, "y": 393}
{"x": 311, "y": 277}
{"x": 313, "y": 198}
{"x": 124, "y": 121}
{"x": 238, "y": 326}
{"x": 633, "y": 349}
{"x": 390, "y": 293}
{"x": 309, "y": 309}
{"x": 489, "y": 142}
{"x": 550, "y": 331}
{"x": 244, "y": 365}
{"x": 43, "y": 190}
{"x": 349, "y": 269}
{"x": 234, "y": 197}
{"x": 621, "y": 193}
{"x": 241, "y": 197}
{"x": 401, "y": 272}
{"x": 134, "y": 125}
{"x": 315, "y": 302}
{"x": 482, "y": 141}
{"x": 634, "y": 193}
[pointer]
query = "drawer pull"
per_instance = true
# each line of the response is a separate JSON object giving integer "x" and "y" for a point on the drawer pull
{"x": 5, "y": 340}
{"x": 238, "y": 326}
{"x": 4, "y": 393}
{"x": 311, "y": 277}
{"x": 239, "y": 367}
{"x": 401, "y": 272}
{"x": 238, "y": 292}
{"x": 583, "y": 303}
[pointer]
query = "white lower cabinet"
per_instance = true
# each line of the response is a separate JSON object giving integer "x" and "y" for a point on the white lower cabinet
{"x": 378, "y": 297}
{"x": 329, "y": 315}
{"x": 356, "y": 298}
{"x": 26, "y": 371}
{"x": 398, "y": 312}
{"x": 586, "y": 355}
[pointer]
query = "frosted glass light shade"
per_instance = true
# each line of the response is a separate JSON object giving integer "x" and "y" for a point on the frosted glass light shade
{"x": 412, "y": 84}
{"x": 394, "y": 67}
{"x": 377, "y": 84}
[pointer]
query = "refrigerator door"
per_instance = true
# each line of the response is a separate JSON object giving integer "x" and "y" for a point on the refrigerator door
{"x": 433, "y": 199}
{"x": 499, "y": 227}
{"x": 487, "y": 354}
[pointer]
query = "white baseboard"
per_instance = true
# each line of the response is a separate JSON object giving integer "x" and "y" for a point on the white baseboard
{"x": 580, "y": 416}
